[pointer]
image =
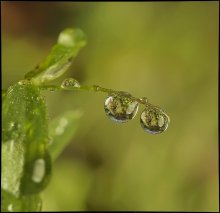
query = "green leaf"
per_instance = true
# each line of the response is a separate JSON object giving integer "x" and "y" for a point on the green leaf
{"x": 62, "y": 130}
{"x": 10, "y": 203}
{"x": 70, "y": 41}
{"x": 26, "y": 165}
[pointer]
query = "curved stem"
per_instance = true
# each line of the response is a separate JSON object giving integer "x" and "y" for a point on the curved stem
{"x": 93, "y": 88}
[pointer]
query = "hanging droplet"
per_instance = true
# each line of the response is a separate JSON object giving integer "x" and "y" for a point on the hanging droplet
{"x": 70, "y": 83}
{"x": 153, "y": 120}
{"x": 120, "y": 107}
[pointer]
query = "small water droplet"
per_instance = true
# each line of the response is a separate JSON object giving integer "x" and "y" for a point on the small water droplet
{"x": 24, "y": 82}
{"x": 153, "y": 120}
{"x": 51, "y": 89}
{"x": 96, "y": 88}
{"x": 120, "y": 107}
{"x": 144, "y": 100}
{"x": 70, "y": 83}
{"x": 38, "y": 170}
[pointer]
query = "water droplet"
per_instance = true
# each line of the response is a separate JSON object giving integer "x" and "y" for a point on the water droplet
{"x": 24, "y": 82}
{"x": 51, "y": 89}
{"x": 72, "y": 38}
{"x": 70, "y": 83}
{"x": 38, "y": 170}
{"x": 96, "y": 88}
{"x": 120, "y": 107}
{"x": 154, "y": 120}
{"x": 37, "y": 175}
{"x": 144, "y": 100}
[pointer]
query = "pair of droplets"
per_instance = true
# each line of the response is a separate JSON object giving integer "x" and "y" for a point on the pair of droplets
{"x": 121, "y": 107}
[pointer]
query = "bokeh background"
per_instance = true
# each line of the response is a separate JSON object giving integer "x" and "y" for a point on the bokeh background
{"x": 166, "y": 51}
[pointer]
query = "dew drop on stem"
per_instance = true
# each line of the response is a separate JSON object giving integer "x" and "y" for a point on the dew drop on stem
{"x": 154, "y": 120}
{"x": 24, "y": 82}
{"x": 120, "y": 107}
{"x": 69, "y": 83}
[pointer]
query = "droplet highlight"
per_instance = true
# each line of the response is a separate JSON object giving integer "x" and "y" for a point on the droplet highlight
{"x": 38, "y": 170}
{"x": 38, "y": 177}
{"x": 70, "y": 83}
{"x": 120, "y": 107}
{"x": 154, "y": 120}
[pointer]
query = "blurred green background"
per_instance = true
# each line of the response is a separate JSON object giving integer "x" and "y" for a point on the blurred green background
{"x": 166, "y": 51}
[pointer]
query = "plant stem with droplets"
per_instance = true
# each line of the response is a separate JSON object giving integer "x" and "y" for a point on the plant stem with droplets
{"x": 94, "y": 88}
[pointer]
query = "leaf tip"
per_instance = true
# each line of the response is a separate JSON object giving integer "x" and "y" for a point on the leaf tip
{"x": 72, "y": 37}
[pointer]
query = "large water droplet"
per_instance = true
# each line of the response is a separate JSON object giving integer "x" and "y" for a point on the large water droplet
{"x": 153, "y": 120}
{"x": 70, "y": 83}
{"x": 120, "y": 107}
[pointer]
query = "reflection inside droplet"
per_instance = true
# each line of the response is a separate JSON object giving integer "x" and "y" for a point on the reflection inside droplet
{"x": 153, "y": 120}
{"x": 38, "y": 170}
{"x": 120, "y": 107}
{"x": 70, "y": 83}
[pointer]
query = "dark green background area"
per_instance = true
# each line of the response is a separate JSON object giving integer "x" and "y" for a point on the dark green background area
{"x": 166, "y": 51}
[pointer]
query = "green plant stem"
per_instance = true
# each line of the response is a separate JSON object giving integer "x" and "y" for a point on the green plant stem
{"x": 93, "y": 88}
